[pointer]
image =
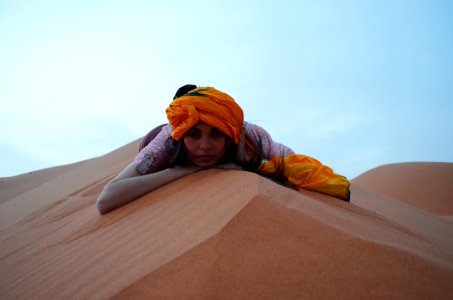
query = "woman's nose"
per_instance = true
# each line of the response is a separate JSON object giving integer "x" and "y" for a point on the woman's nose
{"x": 205, "y": 144}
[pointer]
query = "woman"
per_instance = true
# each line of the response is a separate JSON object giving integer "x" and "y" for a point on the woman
{"x": 154, "y": 155}
{"x": 207, "y": 130}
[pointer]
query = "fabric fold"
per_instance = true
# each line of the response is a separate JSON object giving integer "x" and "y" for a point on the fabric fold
{"x": 305, "y": 172}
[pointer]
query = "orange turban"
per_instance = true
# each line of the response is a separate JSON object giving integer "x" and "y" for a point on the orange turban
{"x": 307, "y": 173}
{"x": 208, "y": 105}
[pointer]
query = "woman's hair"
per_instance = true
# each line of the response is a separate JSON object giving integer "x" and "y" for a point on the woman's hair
{"x": 184, "y": 90}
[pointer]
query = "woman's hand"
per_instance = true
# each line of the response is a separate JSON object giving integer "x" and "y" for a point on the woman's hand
{"x": 229, "y": 166}
{"x": 187, "y": 169}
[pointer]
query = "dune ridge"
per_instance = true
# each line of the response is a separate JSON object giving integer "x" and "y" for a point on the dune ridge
{"x": 222, "y": 234}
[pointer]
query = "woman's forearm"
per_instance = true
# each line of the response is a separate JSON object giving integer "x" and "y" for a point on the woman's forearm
{"x": 125, "y": 189}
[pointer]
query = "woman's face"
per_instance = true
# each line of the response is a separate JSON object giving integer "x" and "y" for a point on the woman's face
{"x": 205, "y": 145}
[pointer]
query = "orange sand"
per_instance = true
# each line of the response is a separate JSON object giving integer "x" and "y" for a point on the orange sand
{"x": 224, "y": 234}
{"x": 426, "y": 185}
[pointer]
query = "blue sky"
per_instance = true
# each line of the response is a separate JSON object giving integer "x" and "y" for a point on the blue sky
{"x": 355, "y": 84}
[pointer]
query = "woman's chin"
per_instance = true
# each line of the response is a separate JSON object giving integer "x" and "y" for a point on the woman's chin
{"x": 205, "y": 165}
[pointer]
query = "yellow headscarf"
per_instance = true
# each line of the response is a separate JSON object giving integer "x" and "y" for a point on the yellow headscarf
{"x": 208, "y": 105}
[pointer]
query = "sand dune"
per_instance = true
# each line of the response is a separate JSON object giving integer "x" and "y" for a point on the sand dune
{"x": 221, "y": 234}
{"x": 36, "y": 193}
{"x": 426, "y": 185}
{"x": 11, "y": 187}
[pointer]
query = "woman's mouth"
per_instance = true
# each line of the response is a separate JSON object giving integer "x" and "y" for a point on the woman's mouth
{"x": 205, "y": 158}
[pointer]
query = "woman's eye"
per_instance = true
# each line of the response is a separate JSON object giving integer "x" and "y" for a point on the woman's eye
{"x": 192, "y": 134}
{"x": 217, "y": 133}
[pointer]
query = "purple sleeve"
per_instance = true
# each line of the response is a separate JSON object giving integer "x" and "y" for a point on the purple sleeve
{"x": 154, "y": 156}
{"x": 270, "y": 148}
